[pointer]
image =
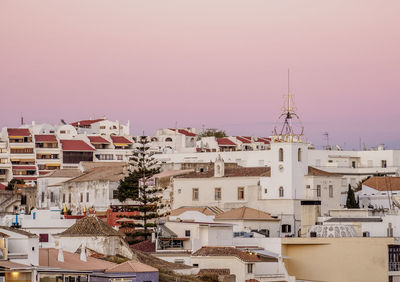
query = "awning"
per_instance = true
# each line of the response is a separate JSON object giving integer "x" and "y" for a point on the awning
{"x": 121, "y": 144}
{"x": 15, "y": 137}
{"x": 22, "y": 160}
{"x": 53, "y": 164}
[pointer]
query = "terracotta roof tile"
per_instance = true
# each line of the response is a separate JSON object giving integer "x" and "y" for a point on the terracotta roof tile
{"x": 217, "y": 271}
{"x": 120, "y": 139}
{"x": 2, "y": 187}
{"x": 227, "y": 251}
{"x": 245, "y": 213}
{"x": 312, "y": 171}
{"x": 243, "y": 140}
{"x": 232, "y": 172}
{"x": 76, "y": 145}
{"x": 98, "y": 140}
{"x": 90, "y": 225}
{"x": 12, "y": 265}
{"x": 144, "y": 246}
{"x": 382, "y": 183}
{"x": 203, "y": 210}
{"x": 86, "y": 122}
{"x": 19, "y": 231}
{"x": 109, "y": 173}
{"x": 48, "y": 257}
{"x": 45, "y": 138}
{"x": 264, "y": 140}
{"x": 131, "y": 266}
{"x": 225, "y": 142}
{"x": 18, "y": 132}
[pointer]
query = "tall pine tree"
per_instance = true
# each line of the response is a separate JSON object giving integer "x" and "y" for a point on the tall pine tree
{"x": 351, "y": 202}
{"x": 136, "y": 187}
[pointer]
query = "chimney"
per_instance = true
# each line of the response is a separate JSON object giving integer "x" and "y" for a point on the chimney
{"x": 83, "y": 253}
{"x": 60, "y": 256}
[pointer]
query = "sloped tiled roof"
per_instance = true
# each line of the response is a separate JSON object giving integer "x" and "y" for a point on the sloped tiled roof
{"x": 90, "y": 225}
{"x": 2, "y": 187}
{"x": 76, "y": 145}
{"x": 49, "y": 257}
{"x": 144, "y": 246}
{"x": 312, "y": 171}
{"x": 243, "y": 140}
{"x": 226, "y": 251}
{"x": 246, "y": 213}
{"x": 86, "y": 122}
{"x": 120, "y": 139}
{"x": 232, "y": 172}
{"x": 110, "y": 173}
{"x": 382, "y": 183}
{"x": 98, "y": 140}
{"x": 19, "y": 231}
{"x": 203, "y": 210}
{"x": 18, "y": 132}
{"x": 64, "y": 173}
{"x": 225, "y": 142}
{"x": 45, "y": 138}
{"x": 217, "y": 271}
{"x": 24, "y": 167}
{"x": 12, "y": 265}
{"x": 264, "y": 140}
{"x": 131, "y": 266}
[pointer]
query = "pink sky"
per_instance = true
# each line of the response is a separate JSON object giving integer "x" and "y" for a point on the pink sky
{"x": 218, "y": 63}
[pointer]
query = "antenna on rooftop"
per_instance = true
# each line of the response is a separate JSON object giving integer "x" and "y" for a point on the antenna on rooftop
{"x": 22, "y": 119}
{"x": 326, "y": 135}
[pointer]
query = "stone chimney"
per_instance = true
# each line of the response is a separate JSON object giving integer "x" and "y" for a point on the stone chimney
{"x": 219, "y": 167}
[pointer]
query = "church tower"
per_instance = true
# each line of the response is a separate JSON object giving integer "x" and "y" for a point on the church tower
{"x": 289, "y": 154}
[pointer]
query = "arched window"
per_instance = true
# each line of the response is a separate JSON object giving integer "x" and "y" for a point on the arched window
{"x": 168, "y": 139}
{"x": 280, "y": 154}
{"x": 281, "y": 192}
{"x": 299, "y": 155}
{"x": 318, "y": 190}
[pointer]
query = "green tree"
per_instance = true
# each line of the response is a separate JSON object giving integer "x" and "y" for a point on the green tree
{"x": 212, "y": 132}
{"x": 351, "y": 202}
{"x": 136, "y": 187}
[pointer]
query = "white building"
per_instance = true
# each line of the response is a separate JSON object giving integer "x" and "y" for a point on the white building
{"x": 380, "y": 192}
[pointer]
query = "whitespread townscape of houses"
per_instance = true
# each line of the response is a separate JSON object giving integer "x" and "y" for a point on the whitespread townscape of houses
{"x": 86, "y": 201}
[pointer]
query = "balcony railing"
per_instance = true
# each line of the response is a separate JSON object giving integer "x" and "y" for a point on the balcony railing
{"x": 394, "y": 266}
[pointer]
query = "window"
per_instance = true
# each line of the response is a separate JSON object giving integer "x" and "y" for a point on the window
{"x": 120, "y": 157}
{"x": 286, "y": 228}
{"x": 383, "y": 163}
{"x": 87, "y": 197}
{"x": 52, "y": 197}
{"x": 63, "y": 198}
{"x": 250, "y": 268}
{"x": 62, "y": 131}
{"x": 280, "y": 154}
{"x": 81, "y": 197}
{"x": 217, "y": 194}
{"x": 344, "y": 181}
{"x": 195, "y": 265}
{"x": 265, "y": 190}
{"x": 330, "y": 191}
{"x": 308, "y": 186}
{"x": 69, "y": 197}
{"x": 240, "y": 193}
{"x": 318, "y": 190}
{"x": 115, "y": 194}
{"x": 353, "y": 164}
{"x": 281, "y": 192}
{"x": 44, "y": 238}
{"x": 179, "y": 191}
{"x": 299, "y": 155}
{"x": 42, "y": 197}
{"x": 195, "y": 194}
{"x": 187, "y": 233}
{"x": 169, "y": 139}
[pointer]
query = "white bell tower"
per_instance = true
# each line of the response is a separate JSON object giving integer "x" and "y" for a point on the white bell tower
{"x": 219, "y": 167}
{"x": 289, "y": 162}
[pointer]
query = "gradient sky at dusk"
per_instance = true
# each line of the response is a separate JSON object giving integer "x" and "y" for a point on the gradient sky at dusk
{"x": 208, "y": 62}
